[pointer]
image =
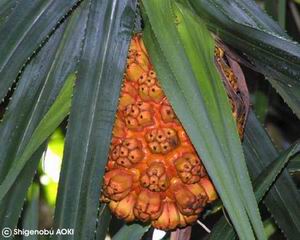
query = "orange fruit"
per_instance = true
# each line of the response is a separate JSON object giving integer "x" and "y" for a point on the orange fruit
{"x": 153, "y": 172}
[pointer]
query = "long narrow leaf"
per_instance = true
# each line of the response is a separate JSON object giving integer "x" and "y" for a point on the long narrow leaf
{"x": 262, "y": 184}
{"x": 133, "y": 231}
{"x": 58, "y": 111}
{"x": 25, "y": 109}
{"x": 27, "y": 26}
{"x": 245, "y": 26}
{"x": 199, "y": 100}
{"x": 18, "y": 125}
{"x": 6, "y": 8}
{"x": 103, "y": 222}
{"x": 265, "y": 179}
{"x": 283, "y": 199}
{"x": 92, "y": 115}
{"x": 37, "y": 89}
{"x": 277, "y": 11}
{"x": 11, "y": 205}
{"x": 31, "y": 216}
{"x": 165, "y": 74}
{"x": 294, "y": 165}
{"x": 191, "y": 43}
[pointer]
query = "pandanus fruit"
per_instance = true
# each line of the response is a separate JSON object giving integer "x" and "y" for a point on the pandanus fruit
{"x": 153, "y": 172}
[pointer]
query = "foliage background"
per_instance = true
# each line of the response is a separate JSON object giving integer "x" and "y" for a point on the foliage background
{"x": 46, "y": 51}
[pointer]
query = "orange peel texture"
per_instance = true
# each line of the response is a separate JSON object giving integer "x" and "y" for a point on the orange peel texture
{"x": 153, "y": 172}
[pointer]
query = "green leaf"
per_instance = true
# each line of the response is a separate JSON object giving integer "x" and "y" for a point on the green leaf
{"x": 261, "y": 105}
{"x": 193, "y": 86}
{"x": 6, "y": 8}
{"x": 103, "y": 222}
{"x": 28, "y": 25}
{"x": 222, "y": 230}
{"x": 16, "y": 129}
{"x": 283, "y": 199}
{"x": 190, "y": 45}
{"x": 31, "y": 215}
{"x": 277, "y": 10}
{"x": 262, "y": 184}
{"x": 282, "y": 12}
{"x": 133, "y": 231}
{"x": 245, "y": 26}
{"x": 263, "y": 181}
{"x": 25, "y": 109}
{"x": 92, "y": 115}
{"x": 294, "y": 165}
{"x": 36, "y": 91}
{"x": 58, "y": 111}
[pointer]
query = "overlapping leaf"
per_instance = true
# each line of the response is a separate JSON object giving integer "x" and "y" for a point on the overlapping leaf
{"x": 29, "y": 23}
{"x": 92, "y": 115}
{"x": 294, "y": 165}
{"x": 201, "y": 105}
{"x": 265, "y": 164}
{"x": 198, "y": 97}
{"x": 56, "y": 114}
{"x": 37, "y": 89}
{"x": 245, "y": 26}
{"x": 283, "y": 199}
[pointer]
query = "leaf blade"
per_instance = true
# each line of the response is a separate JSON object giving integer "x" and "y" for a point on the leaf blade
{"x": 31, "y": 217}
{"x": 58, "y": 111}
{"x": 20, "y": 38}
{"x": 103, "y": 222}
{"x": 34, "y": 94}
{"x": 283, "y": 199}
{"x": 180, "y": 85}
{"x": 246, "y": 27}
{"x": 133, "y": 231}
{"x": 93, "y": 108}
{"x": 264, "y": 164}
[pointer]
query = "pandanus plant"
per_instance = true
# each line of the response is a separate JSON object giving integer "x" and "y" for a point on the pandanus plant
{"x": 160, "y": 131}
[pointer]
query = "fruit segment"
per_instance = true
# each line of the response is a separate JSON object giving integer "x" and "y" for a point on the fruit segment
{"x": 153, "y": 172}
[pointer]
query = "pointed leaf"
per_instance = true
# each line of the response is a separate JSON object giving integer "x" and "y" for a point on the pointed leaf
{"x": 283, "y": 199}
{"x": 37, "y": 89}
{"x": 193, "y": 86}
{"x": 26, "y": 27}
{"x": 58, "y": 111}
{"x": 259, "y": 154}
{"x": 262, "y": 184}
{"x": 246, "y": 27}
{"x": 92, "y": 115}
{"x": 265, "y": 179}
